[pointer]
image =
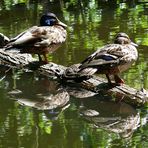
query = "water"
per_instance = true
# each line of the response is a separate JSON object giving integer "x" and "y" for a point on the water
{"x": 23, "y": 96}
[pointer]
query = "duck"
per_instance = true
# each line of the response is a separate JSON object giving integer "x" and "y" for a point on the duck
{"x": 42, "y": 39}
{"x": 111, "y": 60}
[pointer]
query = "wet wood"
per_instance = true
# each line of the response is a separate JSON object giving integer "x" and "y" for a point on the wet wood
{"x": 95, "y": 84}
{"x": 14, "y": 59}
{"x": 118, "y": 93}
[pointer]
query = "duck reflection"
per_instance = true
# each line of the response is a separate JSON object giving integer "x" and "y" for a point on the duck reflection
{"x": 46, "y": 102}
{"x": 119, "y": 118}
{"x": 41, "y": 94}
{"x": 52, "y": 98}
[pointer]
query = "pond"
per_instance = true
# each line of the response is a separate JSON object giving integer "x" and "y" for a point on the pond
{"x": 91, "y": 24}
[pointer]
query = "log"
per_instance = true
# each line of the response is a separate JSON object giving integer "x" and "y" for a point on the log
{"x": 97, "y": 85}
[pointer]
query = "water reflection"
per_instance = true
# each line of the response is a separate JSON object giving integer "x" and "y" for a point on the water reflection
{"x": 53, "y": 98}
{"x": 43, "y": 110}
{"x": 91, "y": 24}
{"x": 119, "y": 118}
{"x": 41, "y": 94}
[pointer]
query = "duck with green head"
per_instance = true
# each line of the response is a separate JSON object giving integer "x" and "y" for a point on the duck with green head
{"x": 41, "y": 39}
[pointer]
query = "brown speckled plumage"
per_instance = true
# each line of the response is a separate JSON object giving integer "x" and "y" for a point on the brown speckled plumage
{"x": 112, "y": 59}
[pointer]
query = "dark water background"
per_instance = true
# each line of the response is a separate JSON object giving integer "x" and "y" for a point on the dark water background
{"x": 91, "y": 24}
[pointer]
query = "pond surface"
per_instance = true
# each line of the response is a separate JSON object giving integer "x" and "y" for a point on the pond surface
{"x": 84, "y": 120}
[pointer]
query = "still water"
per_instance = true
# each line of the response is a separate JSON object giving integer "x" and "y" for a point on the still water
{"x": 25, "y": 120}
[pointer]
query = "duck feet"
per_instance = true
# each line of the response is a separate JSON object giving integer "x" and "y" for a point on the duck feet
{"x": 118, "y": 80}
{"x": 43, "y": 62}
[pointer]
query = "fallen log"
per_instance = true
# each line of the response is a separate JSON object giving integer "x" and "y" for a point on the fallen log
{"x": 96, "y": 84}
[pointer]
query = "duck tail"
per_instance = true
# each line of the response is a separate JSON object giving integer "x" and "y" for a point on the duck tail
{"x": 4, "y": 40}
{"x": 74, "y": 73}
{"x": 7, "y": 47}
{"x": 11, "y": 49}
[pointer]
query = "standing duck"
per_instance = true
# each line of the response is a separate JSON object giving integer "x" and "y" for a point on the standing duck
{"x": 41, "y": 39}
{"x": 111, "y": 59}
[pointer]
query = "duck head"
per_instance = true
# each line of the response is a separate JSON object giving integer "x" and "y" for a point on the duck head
{"x": 123, "y": 38}
{"x": 50, "y": 19}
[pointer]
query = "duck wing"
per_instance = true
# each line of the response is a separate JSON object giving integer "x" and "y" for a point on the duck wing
{"x": 22, "y": 39}
{"x": 109, "y": 56}
{"x": 39, "y": 37}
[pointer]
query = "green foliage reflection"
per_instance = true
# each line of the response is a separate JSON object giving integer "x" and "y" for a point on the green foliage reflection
{"x": 92, "y": 24}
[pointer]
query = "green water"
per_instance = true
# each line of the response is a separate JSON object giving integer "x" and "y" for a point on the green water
{"x": 91, "y": 24}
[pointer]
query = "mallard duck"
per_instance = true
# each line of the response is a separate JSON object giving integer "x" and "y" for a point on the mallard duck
{"x": 111, "y": 59}
{"x": 41, "y": 39}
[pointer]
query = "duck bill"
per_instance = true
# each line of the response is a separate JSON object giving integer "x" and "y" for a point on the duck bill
{"x": 134, "y": 44}
{"x": 62, "y": 24}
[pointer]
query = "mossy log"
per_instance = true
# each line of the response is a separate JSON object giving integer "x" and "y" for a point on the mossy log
{"x": 96, "y": 84}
